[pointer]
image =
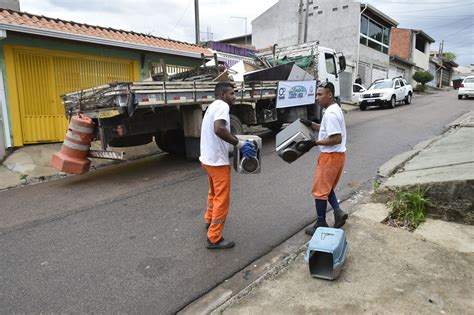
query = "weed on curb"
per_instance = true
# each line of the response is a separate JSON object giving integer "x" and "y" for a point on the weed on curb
{"x": 408, "y": 209}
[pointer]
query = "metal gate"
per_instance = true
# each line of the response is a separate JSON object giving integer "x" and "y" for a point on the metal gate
{"x": 379, "y": 72}
{"x": 345, "y": 81}
{"x": 37, "y": 78}
{"x": 365, "y": 74}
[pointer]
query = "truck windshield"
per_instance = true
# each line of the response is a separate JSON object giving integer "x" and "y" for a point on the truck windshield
{"x": 381, "y": 85}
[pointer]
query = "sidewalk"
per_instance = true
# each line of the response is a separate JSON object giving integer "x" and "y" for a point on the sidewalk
{"x": 388, "y": 270}
{"x": 32, "y": 164}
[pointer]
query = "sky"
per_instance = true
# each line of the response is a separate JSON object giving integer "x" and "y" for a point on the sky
{"x": 448, "y": 20}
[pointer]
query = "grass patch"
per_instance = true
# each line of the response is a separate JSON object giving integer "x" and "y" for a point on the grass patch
{"x": 408, "y": 209}
{"x": 376, "y": 184}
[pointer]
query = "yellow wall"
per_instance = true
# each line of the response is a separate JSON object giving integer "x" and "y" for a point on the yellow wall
{"x": 36, "y": 79}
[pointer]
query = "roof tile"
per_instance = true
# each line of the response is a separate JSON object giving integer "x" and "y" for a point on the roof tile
{"x": 27, "y": 19}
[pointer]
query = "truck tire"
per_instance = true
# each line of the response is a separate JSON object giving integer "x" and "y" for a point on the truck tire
{"x": 363, "y": 106}
{"x": 236, "y": 127}
{"x": 193, "y": 150}
{"x": 408, "y": 98}
{"x": 171, "y": 141}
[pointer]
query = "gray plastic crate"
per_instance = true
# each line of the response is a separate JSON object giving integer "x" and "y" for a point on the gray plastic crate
{"x": 326, "y": 253}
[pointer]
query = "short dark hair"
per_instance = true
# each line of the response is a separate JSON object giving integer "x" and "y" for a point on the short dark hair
{"x": 221, "y": 87}
{"x": 328, "y": 86}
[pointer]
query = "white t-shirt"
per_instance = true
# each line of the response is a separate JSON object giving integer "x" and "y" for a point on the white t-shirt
{"x": 333, "y": 123}
{"x": 214, "y": 150}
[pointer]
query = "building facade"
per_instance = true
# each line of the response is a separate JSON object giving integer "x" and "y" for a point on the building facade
{"x": 358, "y": 30}
{"x": 411, "y": 47}
{"x": 442, "y": 70}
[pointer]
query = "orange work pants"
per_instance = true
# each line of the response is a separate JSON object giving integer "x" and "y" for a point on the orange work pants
{"x": 218, "y": 200}
{"x": 327, "y": 173}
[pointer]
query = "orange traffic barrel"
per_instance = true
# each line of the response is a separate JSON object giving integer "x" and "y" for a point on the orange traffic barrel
{"x": 73, "y": 155}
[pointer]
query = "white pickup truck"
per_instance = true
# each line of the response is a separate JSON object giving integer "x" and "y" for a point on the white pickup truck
{"x": 386, "y": 92}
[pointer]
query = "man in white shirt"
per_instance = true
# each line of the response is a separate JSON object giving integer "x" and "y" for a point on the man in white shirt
{"x": 215, "y": 140}
{"x": 332, "y": 144}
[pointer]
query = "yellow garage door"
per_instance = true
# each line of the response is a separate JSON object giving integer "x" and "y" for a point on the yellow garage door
{"x": 36, "y": 79}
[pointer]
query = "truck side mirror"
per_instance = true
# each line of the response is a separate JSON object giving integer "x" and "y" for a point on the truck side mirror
{"x": 342, "y": 63}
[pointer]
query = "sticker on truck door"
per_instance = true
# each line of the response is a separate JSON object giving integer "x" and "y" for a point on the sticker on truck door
{"x": 295, "y": 93}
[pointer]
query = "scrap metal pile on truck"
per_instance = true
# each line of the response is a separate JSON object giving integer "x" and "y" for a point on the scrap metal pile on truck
{"x": 170, "y": 112}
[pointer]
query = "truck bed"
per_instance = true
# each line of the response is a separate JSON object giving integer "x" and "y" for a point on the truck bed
{"x": 127, "y": 95}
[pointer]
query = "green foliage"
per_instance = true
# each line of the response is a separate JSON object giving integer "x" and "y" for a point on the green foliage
{"x": 450, "y": 56}
{"x": 423, "y": 77}
{"x": 409, "y": 208}
{"x": 376, "y": 184}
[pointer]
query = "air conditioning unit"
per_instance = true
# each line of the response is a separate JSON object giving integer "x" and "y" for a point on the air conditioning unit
{"x": 290, "y": 139}
{"x": 244, "y": 165}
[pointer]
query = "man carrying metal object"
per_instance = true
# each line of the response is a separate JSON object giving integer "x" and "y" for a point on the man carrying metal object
{"x": 332, "y": 144}
{"x": 215, "y": 137}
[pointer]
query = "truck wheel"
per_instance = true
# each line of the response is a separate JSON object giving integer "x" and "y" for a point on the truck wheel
{"x": 408, "y": 99}
{"x": 236, "y": 127}
{"x": 171, "y": 141}
{"x": 393, "y": 102}
{"x": 363, "y": 106}
{"x": 459, "y": 97}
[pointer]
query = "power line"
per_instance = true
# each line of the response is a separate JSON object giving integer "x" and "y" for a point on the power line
{"x": 424, "y": 10}
{"x": 410, "y": 2}
{"x": 457, "y": 32}
{"x": 179, "y": 21}
{"x": 433, "y": 17}
{"x": 442, "y": 26}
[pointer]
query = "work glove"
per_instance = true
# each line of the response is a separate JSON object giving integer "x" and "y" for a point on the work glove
{"x": 247, "y": 149}
{"x": 305, "y": 146}
{"x": 306, "y": 122}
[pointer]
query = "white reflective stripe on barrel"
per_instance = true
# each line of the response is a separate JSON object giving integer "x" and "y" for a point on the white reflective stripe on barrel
{"x": 71, "y": 135}
{"x": 72, "y": 145}
{"x": 74, "y": 126}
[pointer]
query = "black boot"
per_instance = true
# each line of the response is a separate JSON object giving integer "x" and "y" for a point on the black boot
{"x": 312, "y": 229}
{"x": 340, "y": 218}
{"x": 221, "y": 244}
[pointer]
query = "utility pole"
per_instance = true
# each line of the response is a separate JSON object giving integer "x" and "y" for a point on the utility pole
{"x": 305, "y": 39}
{"x": 196, "y": 20}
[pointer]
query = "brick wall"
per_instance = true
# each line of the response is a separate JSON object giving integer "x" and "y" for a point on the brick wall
{"x": 400, "y": 43}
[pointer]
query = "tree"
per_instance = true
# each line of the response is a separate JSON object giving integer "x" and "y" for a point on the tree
{"x": 450, "y": 56}
{"x": 422, "y": 77}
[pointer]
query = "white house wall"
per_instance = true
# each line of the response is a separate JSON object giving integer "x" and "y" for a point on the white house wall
{"x": 421, "y": 60}
{"x": 334, "y": 29}
{"x": 277, "y": 25}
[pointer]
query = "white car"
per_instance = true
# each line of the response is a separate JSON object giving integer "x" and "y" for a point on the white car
{"x": 357, "y": 91}
{"x": 466, "y": 88}
{"x": 386, "y": 92}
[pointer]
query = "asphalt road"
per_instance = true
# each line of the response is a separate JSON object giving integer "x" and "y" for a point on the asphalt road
{"x": 130, "y": 238}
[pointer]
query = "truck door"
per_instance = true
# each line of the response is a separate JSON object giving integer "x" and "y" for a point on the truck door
{"x": 328, "y": 71}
